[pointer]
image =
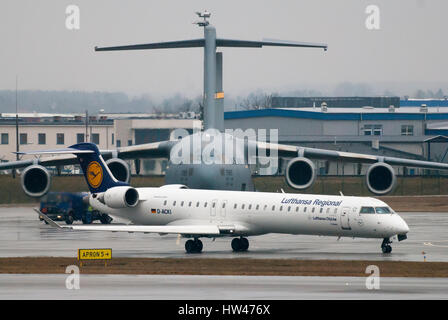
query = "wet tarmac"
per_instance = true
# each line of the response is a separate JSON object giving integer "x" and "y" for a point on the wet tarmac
{"x": 22, "y": 234}
{"x": 162, "y": 287}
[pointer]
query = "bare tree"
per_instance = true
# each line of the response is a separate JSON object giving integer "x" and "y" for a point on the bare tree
{"x": 256, "y": 101}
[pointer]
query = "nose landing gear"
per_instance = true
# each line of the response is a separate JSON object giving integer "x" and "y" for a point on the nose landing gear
{"x": 193, "y": 246}
{"x": 240, "y": 244}
{"x": 385, "y": 246}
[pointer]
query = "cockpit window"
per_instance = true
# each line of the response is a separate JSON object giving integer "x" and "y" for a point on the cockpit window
{"x": 367, "y": 210}
{"x": 383, "y": 210}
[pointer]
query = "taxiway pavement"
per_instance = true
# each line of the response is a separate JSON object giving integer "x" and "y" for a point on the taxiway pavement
{"x": 173, "y": 287}
{"x": 22, "y": 234}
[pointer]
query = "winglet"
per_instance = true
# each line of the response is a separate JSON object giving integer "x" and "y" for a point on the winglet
{"x": 50, "y": 222}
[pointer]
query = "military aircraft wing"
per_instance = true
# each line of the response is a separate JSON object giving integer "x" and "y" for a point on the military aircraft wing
{"x": 290, "y": 151}
{"x": 148, "y": 150}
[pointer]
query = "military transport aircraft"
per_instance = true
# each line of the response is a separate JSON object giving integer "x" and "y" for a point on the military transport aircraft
{"x": 300, "y": 171}
{"x": 195, "y": 213}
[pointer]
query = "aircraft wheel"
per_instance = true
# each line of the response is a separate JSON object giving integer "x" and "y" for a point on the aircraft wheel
{"x": 189, "y": 246}
{"x": 385, "y": 246}
{"x": 387, "y": 249}
{"x": 244, "y": 244}
{"x": 193, "y": 246}
{"x": 105, "y": 219}
{"x": 236, "y": 244}
{"x": 68, "y": 219}
{"x": 198, "y": 246}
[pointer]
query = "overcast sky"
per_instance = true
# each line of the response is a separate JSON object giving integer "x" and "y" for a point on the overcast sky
{"x": 409, "y": 49}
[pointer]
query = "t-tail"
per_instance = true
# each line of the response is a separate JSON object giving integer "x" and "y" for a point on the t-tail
{"x": 98, "y": 176}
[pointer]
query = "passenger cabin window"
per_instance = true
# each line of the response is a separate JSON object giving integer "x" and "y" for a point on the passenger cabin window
{"x": 382, "y": 210}
{"x": 197, "y": 204}
{"x": 289, "y": 208}
{"x": 250, "y": 206}
{"x": 312, "y": 210}
{"x": 164, "y": 203}
{"x": 321, "y": 210}
{"x": 174, "y": 203}
{"x": 189, "y": 204}
{"x": 297, "y": 209}
{"x": 304, "y": 209}
{"x": 367, "y": 210}
{"x": 182, "y": 204}
{"x": 257, "y": 207}
{"x": 242, "y": 206}
{"x": 273, "y": 208}
{"x": 223, "y": 205}
{"x": 205, "y": 204}
{"x": 234, "y": 206}
{"x": 281, "y": 208}
{"x": 265, "y": 207}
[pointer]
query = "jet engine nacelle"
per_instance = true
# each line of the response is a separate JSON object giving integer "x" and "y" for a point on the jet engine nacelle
{"x": 119, "y": 169}
{"x": 121, "y": 197}
{"x": 300, "y": 173}
{"x": 380, "y": 178}
{"x": 36, "y": 181}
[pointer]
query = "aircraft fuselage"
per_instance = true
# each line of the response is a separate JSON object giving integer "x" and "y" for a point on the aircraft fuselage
{"x": 256, "y": 213}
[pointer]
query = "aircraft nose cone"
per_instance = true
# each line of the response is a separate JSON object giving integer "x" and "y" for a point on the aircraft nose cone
{"x": 402, "y": 227}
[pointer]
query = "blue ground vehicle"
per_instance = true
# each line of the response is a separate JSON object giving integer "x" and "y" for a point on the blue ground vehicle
{"x": 69, "y": 207}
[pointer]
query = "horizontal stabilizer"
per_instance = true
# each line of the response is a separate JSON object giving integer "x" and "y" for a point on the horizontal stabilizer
{"x": 267, "y": 42}
{"x": 193, "y": 43}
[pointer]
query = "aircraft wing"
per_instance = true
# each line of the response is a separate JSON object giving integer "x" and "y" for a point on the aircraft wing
{"x": 148, "y": 150}
{"x": 290, "y": 151}
{"x": 205, "y": 229}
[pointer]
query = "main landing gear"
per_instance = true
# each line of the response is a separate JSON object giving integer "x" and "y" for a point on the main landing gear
{"x": 385, "y": 246}
{"x": 193, "y": 246}
{"x": 240, "y": 244}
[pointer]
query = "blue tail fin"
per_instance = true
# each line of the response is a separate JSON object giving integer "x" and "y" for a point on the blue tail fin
{"x": 97, "y": 174}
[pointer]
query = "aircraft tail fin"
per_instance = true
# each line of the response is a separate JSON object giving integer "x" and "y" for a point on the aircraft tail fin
{"x": 96, "y": 172}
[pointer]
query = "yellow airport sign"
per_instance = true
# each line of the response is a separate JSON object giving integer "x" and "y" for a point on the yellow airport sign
{"x": 94, "y": 254}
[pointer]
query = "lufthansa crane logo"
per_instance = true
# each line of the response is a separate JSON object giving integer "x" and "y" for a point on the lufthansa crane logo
{"x": 94, "y": 174}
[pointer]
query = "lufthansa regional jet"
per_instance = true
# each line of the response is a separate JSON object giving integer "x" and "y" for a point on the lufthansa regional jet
{"x": 197, "y": 213}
